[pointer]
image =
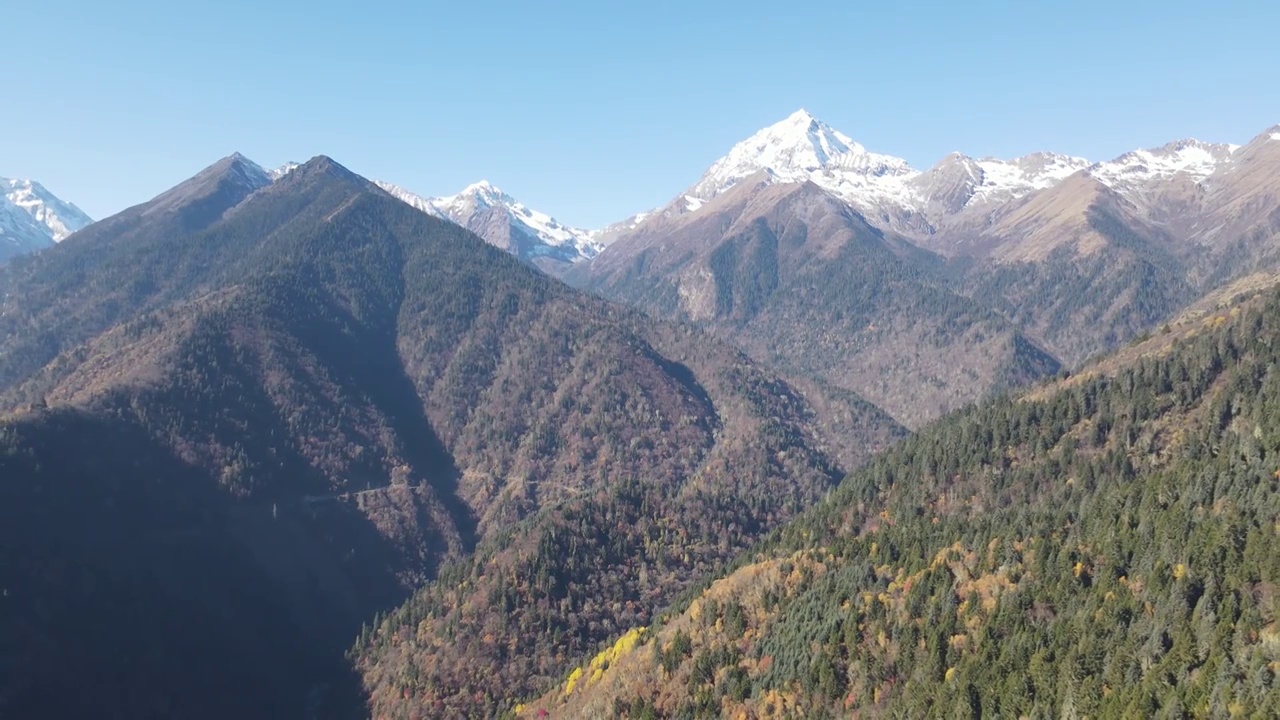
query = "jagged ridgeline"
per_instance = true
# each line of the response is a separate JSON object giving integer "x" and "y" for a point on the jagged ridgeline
{"x": 1105, "y": 547}
{"x": 244, "y": 418}
{"x": 924, "y": 291}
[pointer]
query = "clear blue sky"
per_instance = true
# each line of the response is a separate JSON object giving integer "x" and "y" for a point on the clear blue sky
{"x": 594, "y": 110}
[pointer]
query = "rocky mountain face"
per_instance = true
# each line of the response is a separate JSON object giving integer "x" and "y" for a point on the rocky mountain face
{"x": 801, "y": 281}
{"x": 247, "y": 416}
{"x": 32, "y": 218}
{"x": 1112, "y": 251}
{"x": 1239, "y": 223}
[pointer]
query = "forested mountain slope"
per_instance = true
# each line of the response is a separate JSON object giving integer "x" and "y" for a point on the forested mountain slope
{"x": 129, "y": 588}
{"x": 1106, "y": 549}
{"x": 318, "y": 394}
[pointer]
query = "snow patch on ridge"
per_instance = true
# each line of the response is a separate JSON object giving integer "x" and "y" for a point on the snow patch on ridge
{"x": 1004, "y": 180}
{"x": 285, "y": 169}
{"x": 1192, "y": 158}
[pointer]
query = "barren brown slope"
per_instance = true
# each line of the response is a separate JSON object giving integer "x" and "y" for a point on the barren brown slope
{"x": 1078, "y": 267}
{"x": 1036, "y": 226}
{"x": 799, "y": 280}
{"x": 1241, "y": 225}
{"x": 1045, "y": 221}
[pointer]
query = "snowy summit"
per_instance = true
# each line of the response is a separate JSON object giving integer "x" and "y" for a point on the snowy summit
{"x": 32, "y": 218}
{"x": 884, "y": 188}
{"x": 507, "y": 223}
{"x": 802, "y": 147}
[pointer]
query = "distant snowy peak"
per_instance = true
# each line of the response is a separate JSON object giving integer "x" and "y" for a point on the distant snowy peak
{"x": 285, "y": 169}
{"x": 889, "y": 193}
{"x": 885, "y": 189}
{"x": 61, "y": 218}
{"x": 410, "y": 198}
{"x": 1135, "y": 170}
{"x": 32, "y": 218}
{"x": 800, "y": 148}
{"x": 801, "y": 145}
{"x": 528, "y": 233}
{"x": 498, "y": 218}
{"x": 482, "y": 196}
{"x": 474, "y": 197}
{"x": 606, "y": 235}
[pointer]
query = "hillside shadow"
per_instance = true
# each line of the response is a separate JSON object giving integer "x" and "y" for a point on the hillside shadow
{"x": 128, "y": 591}
{"x": 365, "y": 356}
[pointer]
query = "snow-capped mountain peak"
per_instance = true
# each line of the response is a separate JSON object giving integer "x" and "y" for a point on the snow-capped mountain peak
{"x": 61, "y": 218}
{"x": 32, "y": 218}
{"x": 798, "y": 143}
{"x": 505, "y": 222}
{"x": 802, "y": 147}
{"x": 482, "y": 194}
{"x": 483, "y": 188}
{"x": 884, "y": 188}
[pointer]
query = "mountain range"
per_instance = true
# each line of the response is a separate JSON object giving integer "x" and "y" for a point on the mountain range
{"x": 925, "y": 206}
{"x": 295, "y": 443}
{"x": 292, "y": 402}
{"x": 960, "y": 206}
{"x": 920, "y": 290}
{"x": 969, "y": 277}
